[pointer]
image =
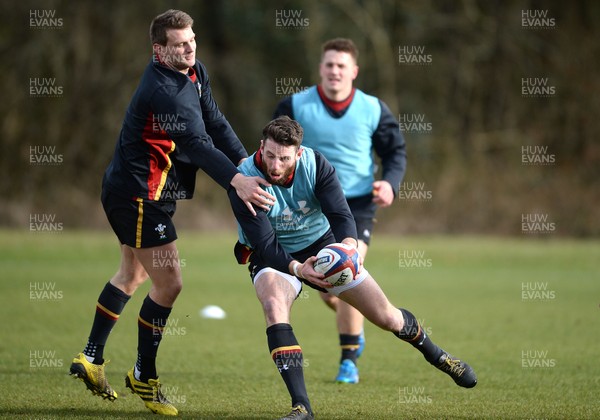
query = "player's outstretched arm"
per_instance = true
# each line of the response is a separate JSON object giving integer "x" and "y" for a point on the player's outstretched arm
{"x": 259, "y": 233}
{"x": 248, "y": 188}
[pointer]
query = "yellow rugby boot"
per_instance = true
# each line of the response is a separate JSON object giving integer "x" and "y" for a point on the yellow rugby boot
{"x": 92, "y": 376}
{"x": 151, "y": 394}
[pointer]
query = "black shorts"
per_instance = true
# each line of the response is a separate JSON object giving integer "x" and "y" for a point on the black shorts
{"x": 363, "y": 209}
{"x": 140, "y": 223}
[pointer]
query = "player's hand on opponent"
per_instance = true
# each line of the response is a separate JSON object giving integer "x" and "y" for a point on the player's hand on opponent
{"x": 307, "y": 272}
{"x": 383, "y": 193}
{"x": 248, "y": 188}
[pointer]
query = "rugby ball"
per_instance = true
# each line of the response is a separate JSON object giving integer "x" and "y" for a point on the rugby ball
{"x": 338, "y": 262}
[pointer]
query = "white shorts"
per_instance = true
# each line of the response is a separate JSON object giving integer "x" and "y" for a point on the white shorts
{"x": 297, "y": 284}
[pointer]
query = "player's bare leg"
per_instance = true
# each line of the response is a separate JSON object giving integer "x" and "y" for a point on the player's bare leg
{"x": 374, "y": 305}
{"x": 163, "y": 267}
{"x": 276, "y": 293}
{"x": 131, "y": 273}
{"x": 350, "y": 326}
{"x": 276, "y": 296}
{"x": 89, "y": 365}
{"x": 370, "y": 300}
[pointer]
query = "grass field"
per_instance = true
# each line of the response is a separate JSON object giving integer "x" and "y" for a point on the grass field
{"x": 523, "y": 312}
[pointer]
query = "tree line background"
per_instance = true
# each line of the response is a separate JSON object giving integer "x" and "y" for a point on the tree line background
{"x": 468, "y": 160}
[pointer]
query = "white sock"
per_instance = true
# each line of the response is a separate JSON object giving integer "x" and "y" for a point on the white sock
{"x": 136, "y": 373}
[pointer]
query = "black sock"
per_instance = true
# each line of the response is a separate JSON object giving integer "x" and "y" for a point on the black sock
{"x": 110, "y": 304}
{"x": 349, "y": 344}
{"x": 287, "y": 355}
{"x": 415, "y": 335}
{"x": 151, "y": 322}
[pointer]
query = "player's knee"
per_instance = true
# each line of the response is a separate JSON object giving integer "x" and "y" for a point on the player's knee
{"x": 275, "y": 308}
{"x": 167, "y": 279}
{"x": 271, "y": 304}
{"x": 129, "y": 280}
{"x": 389, "y": 321}
{"x": 174, "y": 282}
{"x": 176, "y": 287}
{"x": 169, "y": 290}
{"x": 138, "y": 277}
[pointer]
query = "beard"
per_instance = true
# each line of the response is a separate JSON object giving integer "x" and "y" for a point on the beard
{"x": 281, "y": 180}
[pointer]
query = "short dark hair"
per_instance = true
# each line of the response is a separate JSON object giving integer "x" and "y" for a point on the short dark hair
{"x": 171, "y": 19}
{"x": 340, "y": 45}
{"x": 285, "y": 131}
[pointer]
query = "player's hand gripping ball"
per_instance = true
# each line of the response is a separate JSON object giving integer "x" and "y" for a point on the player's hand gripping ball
{"x": 338, "y": 262}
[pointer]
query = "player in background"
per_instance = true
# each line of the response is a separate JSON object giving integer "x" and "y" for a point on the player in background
{"x": 172, "y": 128}
{"x": 280, "y": 244}
{"x": 346, "y": 125}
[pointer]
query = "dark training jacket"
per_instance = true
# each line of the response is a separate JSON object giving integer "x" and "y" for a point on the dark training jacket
{"x": 172, "y": 128}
